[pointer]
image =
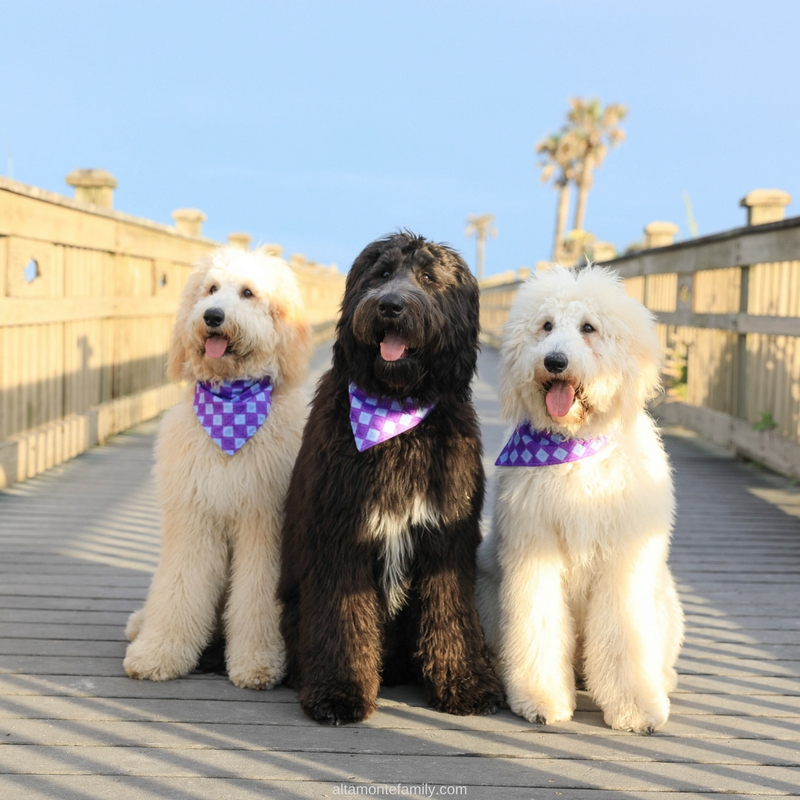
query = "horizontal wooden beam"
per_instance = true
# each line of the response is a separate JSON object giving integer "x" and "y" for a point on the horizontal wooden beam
{"x": 41, "y": 311}
{"x": 760, "y": 244}
{"x": 32, "y": 452}
{"x": 737, "y": 323}
{"x": 777, "y": 452}
{"x": 33, "y": 213}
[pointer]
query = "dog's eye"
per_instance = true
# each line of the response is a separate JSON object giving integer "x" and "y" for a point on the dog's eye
{"x": 587, "y": 327}
{"x": 386, "y": 273}
{"x": 212, "y": 289}
{"x": 247, "y": 293}
{"x": 426, "y": 277}
{"x": 548, "y": 326}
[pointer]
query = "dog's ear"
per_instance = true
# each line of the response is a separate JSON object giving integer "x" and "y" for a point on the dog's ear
{"x": 295, "y": 345}
{"x": 292, "y": 327}
{"x": 648, "y": 352}
{"x": 177, "y": 357}
{"x": 464, "y": 327}
{"x": 344, "y": 349}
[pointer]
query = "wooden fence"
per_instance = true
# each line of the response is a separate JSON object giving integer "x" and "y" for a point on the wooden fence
{"x": 728, "y": 311}
{"x": 87, "y": 302}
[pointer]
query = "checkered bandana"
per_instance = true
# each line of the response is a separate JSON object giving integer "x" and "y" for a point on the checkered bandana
{"x": 527, "y": 448}
{"x": 376, "y": 419}
{"x": 231, "y": 412}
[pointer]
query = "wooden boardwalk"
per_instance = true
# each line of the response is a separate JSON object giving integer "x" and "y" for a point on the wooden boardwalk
{"x": 77, "y": 549}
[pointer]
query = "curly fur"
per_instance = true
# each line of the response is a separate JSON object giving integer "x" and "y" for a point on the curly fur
{"x": 222, "y": 515}
{"x": 379, "y": 547}
{"x": 573, "y": 577}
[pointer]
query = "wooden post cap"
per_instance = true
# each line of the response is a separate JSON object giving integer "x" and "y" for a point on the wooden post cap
{"x": 765, "y": 205}
{"x": 659, "y": 234}
{"x": 189, "y": 221}
{"x": 240, "y": 240}
{"x": 94, "y": 186}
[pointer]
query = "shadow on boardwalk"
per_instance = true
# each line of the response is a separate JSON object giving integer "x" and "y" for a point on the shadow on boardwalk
{"x": 78, "y": 546}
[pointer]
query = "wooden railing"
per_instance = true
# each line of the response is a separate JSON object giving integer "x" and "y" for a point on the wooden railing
{"x": 87, "y": 302}
{"x": 728, "y": 311}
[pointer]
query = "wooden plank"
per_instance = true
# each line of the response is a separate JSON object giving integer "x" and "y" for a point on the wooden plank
{"x": 62, "y": 647}
{"x": 739, "y": 323}
{"x": 754, "y": 636}
{"x": 63, "y": 665}
{"x": 249, "y": 707}
{"x": 204, "y": 686}
{"x": 486, "y": 772}
{"x": 534, "y": 744}
{"x": 125, "y": 787}
{"x": 775, "y": 652}
{"x": 74, "y": 630}
{"x": 42, "y": 311}
{"x": 62, "y": 616}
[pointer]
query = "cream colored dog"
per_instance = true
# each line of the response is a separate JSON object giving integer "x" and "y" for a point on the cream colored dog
{"x": 241, "y": 318}
{"x": 573, "y": 578}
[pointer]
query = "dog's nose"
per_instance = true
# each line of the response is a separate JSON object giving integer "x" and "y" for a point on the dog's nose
{"x": 214, "y": 317}
{"x": 390, "y": 305}
{"x": 555, "y": 362}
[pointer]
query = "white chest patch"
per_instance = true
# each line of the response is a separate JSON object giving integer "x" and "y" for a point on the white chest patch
{"x": 394, "y": 531}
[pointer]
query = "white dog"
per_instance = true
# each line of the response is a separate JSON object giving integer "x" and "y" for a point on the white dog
{"x": 573, "y": 577}
{"x": 224, "y": 456}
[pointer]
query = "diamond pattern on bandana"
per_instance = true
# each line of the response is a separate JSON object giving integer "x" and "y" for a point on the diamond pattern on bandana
{"x": 376, "y": 419}
{"x": 529, "y": 448}
{"x": 232, "y": 411}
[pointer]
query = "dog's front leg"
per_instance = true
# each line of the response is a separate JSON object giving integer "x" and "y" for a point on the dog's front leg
{"x": 180, "y": 613}
{"x": 458, "y": 674}
{"x": 538, "y": 637}
{"x": 339, "y": 639}
{"x": 625, "y": 639}
{"x": 254, "y": 650}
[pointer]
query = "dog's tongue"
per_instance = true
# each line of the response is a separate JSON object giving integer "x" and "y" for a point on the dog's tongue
{"x": 393, "y": 346}
{"x": 216, "y": 346}
{"x": 559, "y": 399}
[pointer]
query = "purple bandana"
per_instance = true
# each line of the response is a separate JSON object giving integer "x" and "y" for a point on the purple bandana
{"x": 376, "y": 419}
{"x": 527, "y": 448}
{"x": 232, "y": 411}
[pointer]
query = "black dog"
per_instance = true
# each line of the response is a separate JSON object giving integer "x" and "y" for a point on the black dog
{"x": 378, "y": 562}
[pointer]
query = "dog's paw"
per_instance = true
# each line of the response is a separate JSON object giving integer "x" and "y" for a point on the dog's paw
{"x": 541, "y": 710}
{"x": 475, "y": 700}
{"x": 156, "y": 663}
{"x": 134, "y": 625}
{"x": 337, "y": 705}
{"x": 258, "y": 674}
{"x": 643, "y": 718}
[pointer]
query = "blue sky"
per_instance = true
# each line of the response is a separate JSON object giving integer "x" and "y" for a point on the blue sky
{"x": 322, "y": 125}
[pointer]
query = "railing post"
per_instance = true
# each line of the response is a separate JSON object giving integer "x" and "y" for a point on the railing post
{"x": 741, "y": 345}
{"x": 662, "y": 234}
{"x": 763, "y": 206}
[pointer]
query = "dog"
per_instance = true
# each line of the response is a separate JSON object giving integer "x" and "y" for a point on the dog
{"x": 224, "y": 456}
{"x": 382, "y": 526}
{"x": 573, "y": 576}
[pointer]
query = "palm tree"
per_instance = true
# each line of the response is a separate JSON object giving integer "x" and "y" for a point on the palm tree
{"x": 479, "y": 224}
{"x": 595, "y": 129}
{"x": 559, "y": 153}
